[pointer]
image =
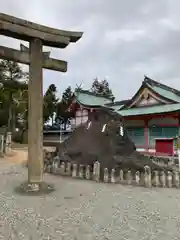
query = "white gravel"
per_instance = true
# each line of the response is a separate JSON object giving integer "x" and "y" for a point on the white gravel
{"x": 86, "y": 210}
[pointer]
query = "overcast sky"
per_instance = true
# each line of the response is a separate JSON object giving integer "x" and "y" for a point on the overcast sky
{"x": 122, "y": 41}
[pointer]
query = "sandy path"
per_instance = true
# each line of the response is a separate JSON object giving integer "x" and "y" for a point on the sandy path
{"x": 19, "y": 156}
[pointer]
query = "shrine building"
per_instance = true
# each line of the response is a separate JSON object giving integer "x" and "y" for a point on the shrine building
{"x": 152, "y": 113}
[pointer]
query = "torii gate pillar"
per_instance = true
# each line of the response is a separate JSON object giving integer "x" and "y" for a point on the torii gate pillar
{"x": 35, "y": 117}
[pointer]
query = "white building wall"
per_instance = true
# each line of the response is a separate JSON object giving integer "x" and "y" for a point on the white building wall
{"x": 81, "y": 116}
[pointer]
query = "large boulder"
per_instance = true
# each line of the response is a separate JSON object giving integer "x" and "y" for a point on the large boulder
{"x": 103, "y": 138}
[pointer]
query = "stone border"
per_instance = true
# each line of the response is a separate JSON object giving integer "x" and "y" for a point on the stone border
{"x": 166, "y": 161}
{"x": 146, "y": 179}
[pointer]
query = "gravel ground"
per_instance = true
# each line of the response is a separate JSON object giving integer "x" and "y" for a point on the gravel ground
{"x": 86, "y": 210}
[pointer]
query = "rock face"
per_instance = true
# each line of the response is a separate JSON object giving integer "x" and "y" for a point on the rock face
{"x": 103, "y": 138}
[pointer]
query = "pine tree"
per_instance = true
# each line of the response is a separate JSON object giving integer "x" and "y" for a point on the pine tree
{"x": 62, "y": 107}
{"x": 50, "y": 103}
{"x": 101, "y": 88}
{"x": 67, "y": 96}
{"x": 12, "y": 85}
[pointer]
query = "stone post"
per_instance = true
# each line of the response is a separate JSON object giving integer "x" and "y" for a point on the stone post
{"x": 163, "y": 179}
{"x": 106, "y": 175}
{"x": 87, "y": 173}
{"x": 113, "y": 178}
{"x": 121, "y": 175}
{"x": 35, "y": 118}
{"x": 147, "y": 177}
{"x": 81, "y": 171}
{"x": 176, "y": 181}
{"x": 169, "y": 179}
{"x": 8, "y": 143}
{"x": 156, "y": 179}
{"x": 62, "y": 168}
{"x": 68, "y": 169}
{"x": 2, "y": 145}
{"x": 137, "y": 177}
{"x": 178, "y": 150}
{"x": 129, "y": 177}
{"x": 74, "y": 171}
{"x": 96, "y": 171}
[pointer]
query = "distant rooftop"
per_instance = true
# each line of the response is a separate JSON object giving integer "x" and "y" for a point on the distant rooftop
{"x": 164, "y": 92}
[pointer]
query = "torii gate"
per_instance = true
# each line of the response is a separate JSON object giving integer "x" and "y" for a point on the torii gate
{"x": 37, "y": 35}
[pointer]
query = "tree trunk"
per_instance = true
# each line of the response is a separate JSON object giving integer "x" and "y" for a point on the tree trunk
{"x": 8, "y": 129}
{"x": 52, "y": 120}
{"x": 9, "y": 117}
{"x": 10, "y": 107}
{"x": 65, "y": 124}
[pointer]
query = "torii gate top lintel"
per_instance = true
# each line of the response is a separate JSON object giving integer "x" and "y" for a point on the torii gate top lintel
{"x": 25, "y": 30}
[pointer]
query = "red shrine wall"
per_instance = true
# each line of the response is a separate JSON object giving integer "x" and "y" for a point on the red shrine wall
{"x": 144, "y": 132}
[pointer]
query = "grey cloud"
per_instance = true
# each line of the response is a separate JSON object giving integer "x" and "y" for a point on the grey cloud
{"x": 122, "y": 41}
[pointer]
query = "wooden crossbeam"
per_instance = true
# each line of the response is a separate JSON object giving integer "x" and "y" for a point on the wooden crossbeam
{"x": 23, "y": 57}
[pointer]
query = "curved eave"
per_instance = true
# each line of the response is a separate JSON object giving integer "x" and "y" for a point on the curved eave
{"x": 91, "y": 94}
{"x": 160, "y": 96}
{"x": 150, "y": 114}
{"x": 94, "y": 106}
{"x": 145, "y": 85}
{"x": 87, "y": 106}
{"x": 155, "y": 110}
{"x": 120, "y": 108}
{"x": 72, "y": 35}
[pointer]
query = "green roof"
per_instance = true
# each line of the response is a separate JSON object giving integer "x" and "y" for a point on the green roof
{"x": 163, "y": 92}
{"x": 116, "y": 108}
{"x": 150, "y": 110}
{"x": 92, "y": 100}
{"x": 89, "y": 99}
